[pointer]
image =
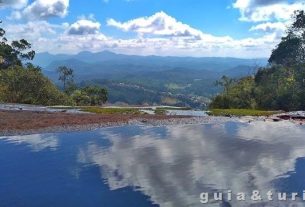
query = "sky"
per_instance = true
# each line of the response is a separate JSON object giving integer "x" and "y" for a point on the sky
{"x": 199, "y": 28}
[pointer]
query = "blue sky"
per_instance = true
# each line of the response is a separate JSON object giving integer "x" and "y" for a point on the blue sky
{"x": 199, "y": 14}
{"x": 235, "y": 28}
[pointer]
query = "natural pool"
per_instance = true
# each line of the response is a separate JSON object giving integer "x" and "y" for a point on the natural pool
{"x": 153, "y": 166}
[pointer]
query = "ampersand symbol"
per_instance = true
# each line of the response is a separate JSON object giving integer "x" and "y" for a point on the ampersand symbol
{"x": 256, "y": 196}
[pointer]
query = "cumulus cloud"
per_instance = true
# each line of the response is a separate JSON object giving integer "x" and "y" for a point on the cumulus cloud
{"x": 249, "y": 47}
{"x": 67, "y": 43}
{"x": 164, "y": 35}
{"x": 265, "y": 10}
{"x": 255, "y": 3}
{"x": 41, "y": 9}
{"x": 269, "y": 27}
{"x": 158, "y": 34}
{"x": 42, "y": 35}
{"x": 84, "y": 27}
{"x": 60, "y": 41}
{"x": 158, "y": 24}
{"x": 16, "y": 4}
{"x": 31, "y": 30}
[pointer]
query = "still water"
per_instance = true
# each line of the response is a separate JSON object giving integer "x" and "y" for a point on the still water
{"x": 153, "y": 166}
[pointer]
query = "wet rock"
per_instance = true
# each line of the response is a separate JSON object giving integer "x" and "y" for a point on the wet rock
{"x": 276, "y": 119}
{"x": 294, "y": 115}
{"x": 285, "y": 117}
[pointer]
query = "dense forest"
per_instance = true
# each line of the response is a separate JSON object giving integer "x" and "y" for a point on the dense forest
{"x": 22, "y": 82}
{"x": 280, "y": 86}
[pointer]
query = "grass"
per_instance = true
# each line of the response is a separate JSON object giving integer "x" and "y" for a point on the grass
{"x": 162, "y": 110}
{"x": 110, "y": 111}
{"x": 122, "y": 111}
{"x": 174, "y": 108}
{"x": 63, "y": 107}
{"x": 240, "y": 112}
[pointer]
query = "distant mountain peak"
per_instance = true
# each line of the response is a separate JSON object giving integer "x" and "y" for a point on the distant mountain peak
{"x": 84, "y": 53}
{"x": 104, "y": 52}
{"x": 44, "y": 53}
{"x": 108, "y": 52}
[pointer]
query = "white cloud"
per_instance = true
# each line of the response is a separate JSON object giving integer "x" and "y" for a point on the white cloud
{"x": 41, "y": 9}
{"x": 249, "y": 47}
{"x": 15, "y": 15}
{"x": 41, "y": 34}
{"x": 256, "y": 3}
{"x": 269, "y": 27}
{"x": 158, "y": 24}
{"x": 164, "y": 35}
{"x": 84, "y": 27}
{"x": 66, "y": 43}
{"x": 16, "y": 4}
{"x": 266, "y": 10}
{"x": 278, "y": 29}
{"x": 159, "y": 34}
{"x": 55, "y": 38}
{"x": 32, "y": 30}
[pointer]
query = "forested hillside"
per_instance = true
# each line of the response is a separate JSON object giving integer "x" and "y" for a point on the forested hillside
{"x": 281, "y": 86}
{"x": 23, "y": 82}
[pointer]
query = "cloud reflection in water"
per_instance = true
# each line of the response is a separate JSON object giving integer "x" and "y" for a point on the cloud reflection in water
{"x": 174, "y": 164}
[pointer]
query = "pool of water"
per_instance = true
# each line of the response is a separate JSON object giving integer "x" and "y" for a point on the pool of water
{"x": 35, "y": 108}
{"x": 154, "y": 166}
{"x": 186, "y": 113}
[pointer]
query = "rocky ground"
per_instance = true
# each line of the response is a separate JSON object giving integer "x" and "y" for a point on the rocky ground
{"x": 27, "y": 122}
{"x": 13, "y": 122}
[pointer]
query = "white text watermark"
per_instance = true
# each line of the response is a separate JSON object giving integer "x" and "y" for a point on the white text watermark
{"x": 255, "y": 195}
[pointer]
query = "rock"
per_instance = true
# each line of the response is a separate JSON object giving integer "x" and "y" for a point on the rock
{"x": 276, "y": 119}
{"x": 284, "y": 116}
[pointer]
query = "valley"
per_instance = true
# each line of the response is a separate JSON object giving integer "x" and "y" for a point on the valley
{"x": 150, "y": 80}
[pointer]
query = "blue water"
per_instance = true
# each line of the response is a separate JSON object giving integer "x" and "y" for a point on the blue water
{"x": 152, "y": 166}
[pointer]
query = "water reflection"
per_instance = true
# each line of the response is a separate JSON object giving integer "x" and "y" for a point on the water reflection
{"x": 36, "y": 142}
{"x": 169, "y": 165}
{"x": 194, "y": 159}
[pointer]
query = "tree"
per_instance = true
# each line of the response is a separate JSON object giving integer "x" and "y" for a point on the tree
{"x": 29, "y": 86}
{"x": 24, "y": 83}
{"x": 15, "y": 53}
{"x": 291, "y": 50}
{"x": 281, "y": 86}
{"x": 239, "y": 94}
{"x": 90, "y": 95}
{"x": 226, "y": 83}
{"x": 98, "y": 95}
{"x": 66, "y": 75}
{"x": 80, "y": 98}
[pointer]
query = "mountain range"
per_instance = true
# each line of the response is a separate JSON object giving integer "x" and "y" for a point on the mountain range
{"x": 164, "y": 78}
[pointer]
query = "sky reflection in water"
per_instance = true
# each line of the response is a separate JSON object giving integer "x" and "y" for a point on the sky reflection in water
{"x": 146, "y": 166}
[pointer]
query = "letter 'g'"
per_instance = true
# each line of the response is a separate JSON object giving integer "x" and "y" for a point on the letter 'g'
{"x": 204, "y": 198}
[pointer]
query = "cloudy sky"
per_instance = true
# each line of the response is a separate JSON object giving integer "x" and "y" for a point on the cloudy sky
{"x": 226, "y": 28}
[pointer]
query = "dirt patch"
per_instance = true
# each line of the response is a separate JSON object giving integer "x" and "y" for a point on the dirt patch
{"x": 14, "y": 122}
